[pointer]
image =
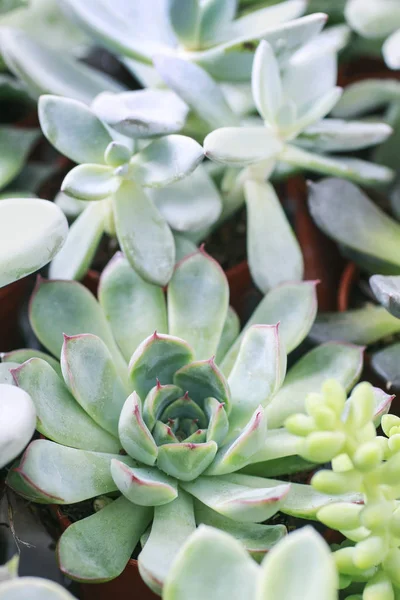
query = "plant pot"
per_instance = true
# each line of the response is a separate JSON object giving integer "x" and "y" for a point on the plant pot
{"x": 347, "y": 282}
{"x": 128, "y": 585}
{"x": 12, "y": 297}
{"x": 366, "y": 67}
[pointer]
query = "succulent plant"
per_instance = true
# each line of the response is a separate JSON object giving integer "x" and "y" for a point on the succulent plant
{"x": 18, "y": 420}
{"x": 363, "y": 462}
{"x": 13, "y": 587}
{"x": 114, "y": 172}
{"x": 197, "y": 571}
{"x": 171, "y": 430}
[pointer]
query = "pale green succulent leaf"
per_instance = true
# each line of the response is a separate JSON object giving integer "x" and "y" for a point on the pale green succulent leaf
{"x": 73, "y": 129}
{"x": 218, "y": 423}
{"x": 32, "y": 231}
{"x": 185, "y": 20}
{"x": 183, "y": 246}
{"x": 18, "y": 420}
{"x": 337, "y": 135}
{"x": 203, "y": 379}
{"x": 157, "y": 400}
{"x": 56, "y": 409}
{"x": 157, "y": 359}
{"x": 391, "y": 50}
{"x": 216, "y": 17}
{"x": 387, "y": 292}
{"x": 172, "y": 525}
{"x": 76, "y": 256}
{"x": 133, "y": 307}
{"x": 186, "y": 461}
{"x": 273, "y": 252}
{"x": 142, "y": 114}
{"x": 5, "y": 372}
{"x": 385, "y": 363}
{"x": 266, "y": 83}
{"x": 292, "y": 305}
{"x": 34, "y": 588}
{"x": 19, "y": 143}
{"x": 97, "y": 548}
{"x": 329, "y": 361}
{"x": 20, "y": 356}
{"x": 319, "y": 109}
{"x": 198, "y": 318}
{"x": 90, "y": 182}
{"x": 229, "y": 334}
{"x": 242, "y": 146}
{"x": 198, "y": 568}
{"x": 268, "y": 17}
{"x": 163, "y": 434}
{"x": 143, "y": 486}
{"x": 374, "y": 18}
{"x": 366, "y": 96}
{"x": 143, "y": 234}
{"x": 134, "y": 434}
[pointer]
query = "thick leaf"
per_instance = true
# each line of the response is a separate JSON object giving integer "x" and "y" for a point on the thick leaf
{"x": 198, "y": 568}
{"x": 293, "y": 306}
{"x": 313, "y": 573}
{"x": 45, "y": 70}
{"x": 266, "y": 83}
{"x": 5, "y": 373}
{"x": 335, "y": 135}
{"x": 359, "y": 326}
{"x": 186, "y": 461}
{"x": 133, "y": 307}
{"x": 165, "y": 161}
{"x": 242, "y": 146}
{"x": 228, "y": 496}
{"x": 195, "y": 86}
{"x": 258, "y": 372}
{"x": 76, "y": 256}
{"x": 90, "y": 182}
{"x": 143, "y": 234}
{"x": 34, "y": 588}
{"x": 218, "y": 425}
{"x": 387, "y": 292}
{"x": 52, "y": 469}
{"x": 98, "y": 548}
{"x": 146, "y": 487}
{"x": 198, "y": 298}
{"x": 172, "y": 525}
{"x": 391, "y": 50}
{"x": 90, "y": 374}
{"x": 366, "y": 96}
{"x": 142, "y": 114}
{"x": 328, "y": 361}
{"x": 32, "y": 231}
{"x": 377, "y": 18}
{"x": 190, "y": 204}
{"x": 22, "y": 355}
{"x": 159, "y": 398}
{"x": 19, "y": 143}
{"x": 73, "y": 129}
{"x": 386, "y": 364}
{"x": 203, "y": 379}
{"x": 229, "y": 334}
{"x": 183, "y": 247}
{"x": 273, "y": 252}
{"x": 56, "y": 409}
{"x": 319, "y": 109}
{"x": 156, "y": 360}
{"x": 347, "y": 215}
{"x": 18, "y": 420}
{"x": 135, "y": 437}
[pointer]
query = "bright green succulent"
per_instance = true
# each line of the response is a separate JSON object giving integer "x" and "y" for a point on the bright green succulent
{"x": 157, "y": 417}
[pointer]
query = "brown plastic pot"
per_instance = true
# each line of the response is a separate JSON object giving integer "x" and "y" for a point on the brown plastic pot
{"x": 11, "y": 299}
{"x": 364, "y": 68}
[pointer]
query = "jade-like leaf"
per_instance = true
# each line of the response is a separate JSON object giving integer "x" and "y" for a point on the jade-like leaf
{"x": 347, "y": 215}
{"x": 366, "y": 96}
{"x": 76, "y": 256}
{"x": 157, "y": 359}
{"x": 258, "y": 372}
{"x": 34, "y": 588}
{"x": 143, "y": 234}
{"x": 32, "y": 231}
{"x": 166, "y": 161}
{"x": 242, "y": 146}
{"x": 172, "y": 525}
{"x": 19, "y": 143}
{"x": 230, "y": 497}
{"x": 266, "y": 82}
{"x": 45, "y": 70}
{"x": 186, "y": 461}
{"x": 359, "y": 326}
{"x": 73, "y": 129}
{"x": 97, "y": 548}
{"x": 198, "y": 298}
{"x": 134, "y": 434}
{"x": 390, "y": 50}
{"x": 229, "y": 334}
{"x": 163, "y": 434}
{"x": 292, "y": 305}
{"x": 385, "y": 363}
{"x": 185, "y": 18}
{"x": 336, "y": 135}
{"x": 22, "y": 355}
{"x": 273, "y": 252}
{"x": 158, "y": 398}
{"x": 203, "y": 379}
{"x": 313, "y": 573}
{"x": 90, "y": 182}
{"x": 195, "y": 86}
{"x": 198, "y": 568}
{"x": 146, "y": 487}
{"x": 387, "y": 292}
{"x": 52, "y": 469}
{"x": 278, "y": 444}
{"x": 18, "y": 420}
{"x": 90, "y": 374}
{"x": 56, "y": 409}
{"x": 258, "y": 539}
{"x": 133, "y": 307}
{"x": 142, "y": 114}
{"x": 328, "y": 361}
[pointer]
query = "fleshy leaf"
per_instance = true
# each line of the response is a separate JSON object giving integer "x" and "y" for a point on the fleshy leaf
{"x": 242, "y": 146}
{"x": 385, "y": 363}
{"x": 391, "y": 50}
{"x": 229, "y": 334}
{"x": 19, "y": 143}
{"x": 218, "y": 424}
{"x": 366, "y": 96}
{"x": 90, "y": 182}
{"x": 135, "y": 437}
{"x": 328, "y": 361}
{"x": 157, "y": 359}
{"x": 89, "y": 372}
{"x": 203, "y": 379}
{"x": 32, "y": 231}
{"x": 56, "y": 409}
{"x": 5, "y": 372}
{"x": 185, "y": 408}
{"x": 73, "y": 129}
{"x": 97, "y": 548}
{"x": 146, "y": 487}
{"x": 198, "y": 317}
{"x": 186, "y": 461}
{"x": 335, "y": 135}
{"x": 158, "y": 398}
{"x": 387, "y": 292}
{"x": 18, "y": 420}
{"x": 143, "y": 234}
{"x": 22, "y": 355}
{"x": 266, "y": 82}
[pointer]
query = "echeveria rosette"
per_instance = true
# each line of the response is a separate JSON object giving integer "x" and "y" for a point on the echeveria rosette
{"x": 188, "y": 422}
{"x": 114, "y": 174}
{"x": 362, "y": 462}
